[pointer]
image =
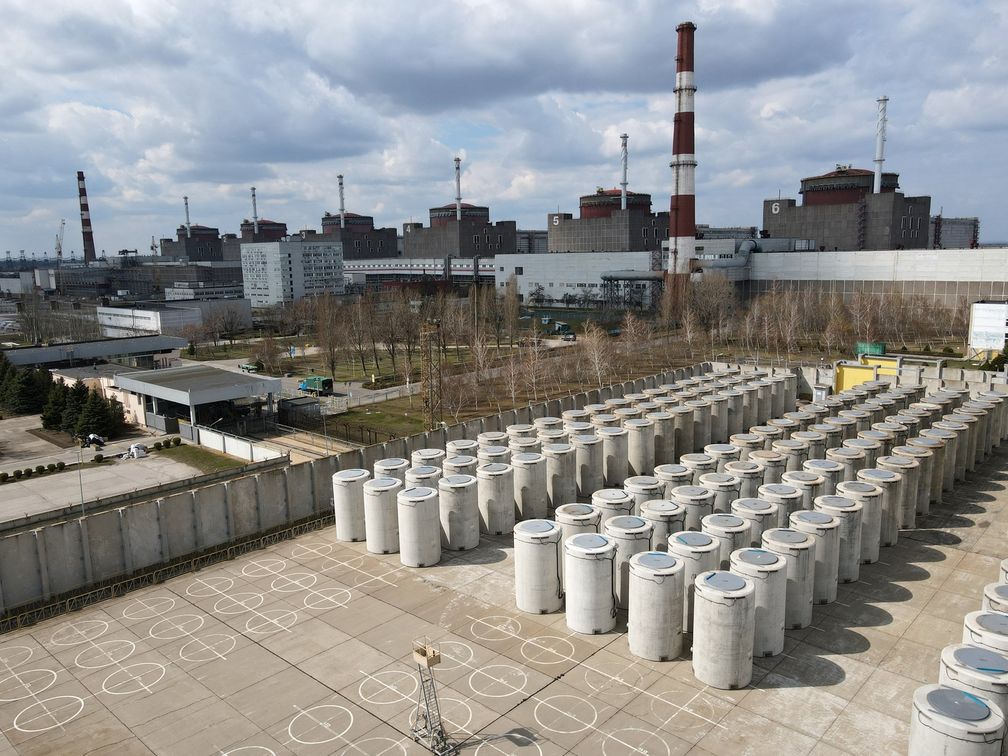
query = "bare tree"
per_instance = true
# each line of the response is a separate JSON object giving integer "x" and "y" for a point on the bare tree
{"x": 512, "y": 308}
{"x": 598, "y": 353}
{"x": 512, "y": 372}
{"x": 227, "y": 320}
{"x": 330, "y": 331}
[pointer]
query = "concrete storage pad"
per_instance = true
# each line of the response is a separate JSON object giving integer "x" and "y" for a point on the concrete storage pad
{"x": 304, "y": 647}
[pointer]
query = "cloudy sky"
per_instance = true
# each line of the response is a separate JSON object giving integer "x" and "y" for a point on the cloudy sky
{"x": 154, "y": 100}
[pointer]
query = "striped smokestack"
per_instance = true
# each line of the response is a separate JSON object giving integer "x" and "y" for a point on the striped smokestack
{"x": 85, "y": 219}
{"x": 682, "y": 215}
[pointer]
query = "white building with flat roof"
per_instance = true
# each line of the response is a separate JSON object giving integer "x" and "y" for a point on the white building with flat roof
{"x": 286, "y": 271}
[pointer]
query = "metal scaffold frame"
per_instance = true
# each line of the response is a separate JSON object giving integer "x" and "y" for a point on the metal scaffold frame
{"x": 428, "y": 729}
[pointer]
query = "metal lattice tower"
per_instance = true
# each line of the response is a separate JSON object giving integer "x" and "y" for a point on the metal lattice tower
{"x": 428, "y": 729}
{"x": 430, "y": 373}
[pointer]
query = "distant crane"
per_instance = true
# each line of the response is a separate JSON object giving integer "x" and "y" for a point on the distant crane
{"x": 153, "y": 246}
{"x": 59, "y": 239}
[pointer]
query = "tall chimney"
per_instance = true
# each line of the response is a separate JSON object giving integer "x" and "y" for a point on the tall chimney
{"x": 85, "y": 217}
{"x": 342, "y": 208}
{"x": 682, "y": 214}
{"x": 623, "y": 183}
{"x": 188, "y": 228}
{"x": 458, "y": 188}
{"x": 255, "y": 216}
{"x": 880, "y": 142}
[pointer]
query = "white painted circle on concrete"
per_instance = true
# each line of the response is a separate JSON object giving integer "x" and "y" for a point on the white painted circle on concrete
{"x": 208, "y": 647}
{"x": 320, "y": 724}
{"x": 238, "y": 603}
{"x": 548, "y": 649}
{"x": 105, "y": 653}
{"x": 454, "y": 711}
{"x": 612, "y": 678}
{"x": 133, "y": 678}
{"x": 179, "y": 626}
{"x": 48, "y": 713}
{"x": 144, "y": 609}
{"x": 19, "y": 685}
{"x": 271, "y": 621}
{"x": 517, "y": 741}
{"x": 495, "y": 628}
{"x": 15, "y": 656}
{"x": 498, "y": 681}
{"x": 75, "y": 633}
{"x": 632, "y": 740}
{"x": 264, "y": 567}
{"x": 327, "y": 598}
{"x": 455, "y": 654}
{"x": 250, "y": 750}
{"x": 309, "y": 550}
{"x": 565, "y": 714}
{"x": 211, "y": 586}
{"x": 388, "y": 687}
{"x": 296, "y": 581}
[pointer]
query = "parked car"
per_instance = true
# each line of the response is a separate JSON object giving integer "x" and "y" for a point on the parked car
{"x": 569, "y": 336}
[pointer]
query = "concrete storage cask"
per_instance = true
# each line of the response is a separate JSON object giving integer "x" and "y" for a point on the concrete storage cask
{"x": 699, "y": 553}
{"x": 746, "y": 443}
{"x": 730, "y": 531}
{"x": 654, "y": 617}
{"x": 937, "y": 448}
{"x": 872, "y": 449}
{"x": 632, "y": 535}
{"x": 830, "y": 470}
{"x": 803, "y": 418}
{"x": 381, "y": 515}
{"x": 750, "y": 475}
{"x": 1003, "y": 572}
{"x": 979, "y": 671}
{"x": 640, "y": 446}
{"x": 768, "y": 573}
{"x": 826, "y": 531}
{"x": 529, "y": 476}
{"x": 995, "y": 598}
{"x": 853, "y": 460}
{"x": 460, "y": 446}
{"x": 815, "y": 441}
{"x": 773, "y": 465}
{"x": 521, "y": 445}
{"x": 495, "y": 497}
{"x": 493, "y": 455}
{"x": 537, "y": 557}
{"x": 673, "y": 475}
{"x": 951, "y": 439}
{"x": 986, "y": 629}
{"x": 664, "y": 436}
{"x": 614, "y": 455}
{"x": 561, "y": 482}
{"x": 761, "y": 514}
{"x": 423, "y": 475}
{"x": 458, "y": 510}
{"x": 575, "y": 428}
{"x": 909, "y": 470}
{"x": 886, "y": 441}
{"x": 605, "y": 420}
{"x": 890, "y": 483}
{"x": 492, "y": 438}
{"x": 665, "y": 517}
{"x": 642, "y": 488}
{"x": 419, "y": 527}
{"x": 790, "y": 391}
{"x": 578, "y": 518}
{"x": 949, "y": 722}
{"x": 794, "y": 451}
{"x": 785, "y": 425}
{"x": 392, "y": 467}
{"x": 699, "y": 463}
{"x": 722, "y": 454}
{"x": 764, "y": 400}
{"x": 612, "y": 502}
{"x": 625, "y": 414}
{"x": 809, "y": 483}
{"x": 870, "y": 497}
{"x": 574, "y": 416}
{"x": 432, "y": 457}
{"x": 682, "y": 422}
{"x": 719, "y": 416}
{"x": 787, "y": 498}
{"x": 725, "y": 488}
{"x": 588, "y": 474}
{"x": 701, "y": 422}
{"x": 348, "y": 504}
{"x": 559, "y": 436}
{"x": 736, "y": 416}
{"x": 961, "y": 431}
{"x": 798, "y": 550}
{"x": 976, "y": 422}
{"x": 724, "y": 622}
{"x": 833, "y": 434}
{"x": 618, "y": 401}
{"x": 768, "y": 433}
{"x": 594, "y": 409}
{"x": 848, "y": 513}
{"x": 750, "y": 404}
{"x": 547, "y": 424}
{"x": 697, "y": 501}
{"x": 460, "y": 464}
{"x": 897, "y": 431}
{"x": 924, "y": 458}
{"x": 521, "y": 430}
{"x": 588, "y": 575}
{"x": 861, "y": 418}
{"x": 847, "y": 425}
{"x": 778, "y": 395}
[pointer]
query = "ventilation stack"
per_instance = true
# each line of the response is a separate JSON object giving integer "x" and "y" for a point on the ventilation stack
{"x": 188, "y": 227}
{"x": 342, "y": 207}
{"x": 623, "y": 183}
{"x": 458, "y": 188}
{"x": 880, "y": 142}
{"x": 85, "y": 216}
{"x": 682, "y": 215}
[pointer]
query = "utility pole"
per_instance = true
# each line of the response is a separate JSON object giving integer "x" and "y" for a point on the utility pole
{"x": 430, "y": 373}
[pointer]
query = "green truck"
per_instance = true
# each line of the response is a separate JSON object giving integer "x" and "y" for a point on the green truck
{"x": 316, "y": 385}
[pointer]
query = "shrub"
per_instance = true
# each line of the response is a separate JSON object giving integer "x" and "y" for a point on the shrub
{"x": 27, "y": 472}
{"x": 3, "y": 477}
{"x": 157, "y": 446}
{"x": 176, "y": 441}
{"x": 40, "y": 469}
{"x": 61, "y": 465}
{"x": 51, "y": 467}
{"x": 926, "y": 349}
{"x": 18, "y": 474}
{"x": 948, "y": 350}
{"x": 98, "y": 458}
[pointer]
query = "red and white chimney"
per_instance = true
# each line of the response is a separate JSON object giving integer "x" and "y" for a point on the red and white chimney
{"x": 85, "y": 216}
{"x": 682, "y": 215}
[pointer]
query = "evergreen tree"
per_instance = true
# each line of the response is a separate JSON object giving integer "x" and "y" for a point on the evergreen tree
{"x": 117, "y": 416}
{"x": 94, "y": 416}
{"x": 19, "y": 393}
{"x": 52, "y": 413}
{"x": 76, "y": 397}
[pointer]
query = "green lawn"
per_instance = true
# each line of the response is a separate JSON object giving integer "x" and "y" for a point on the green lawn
{"x": 205, "y": 460}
